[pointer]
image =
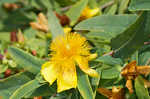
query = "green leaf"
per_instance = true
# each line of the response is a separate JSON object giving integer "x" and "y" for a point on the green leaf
{"x": 8, "y": 1}
{"x": 3, "y": 68}
{"x": 144, "y": 58}
{"x": 141, "y": 91}
{"x": 21, "y": 20}
{"x": 5, "y": 36}
{"x": 46, "y": 3}
{"x": 54, "y": 25}
{"x": 130, "y": 40}
{"x": 25, "y": 60}
{"x": 137, "y": 5}
{"x": 25, "y": 89}
{"x": 92, "y": 3}
{"x": 109, "y": 83}
{"x": 130, "y": 96}
{"x": 110, "y": 73}
{"x": 123, "y": 6}
{"x": 111, "y": 24}
{"x": 103, "y": 36}
{"x": 112, "y": 10}
{"x": 40, "y": 4}
{"x": 76, "y": 10}
{"x": 65, "y": 2}
{"x": 10, "y": 84}
{"x": 84, "y": 86}
{"x": 95, "y": 82}
{"x": 30, "y": 33}
{"x": 109, "y": 60}
{"x": 44, "y": 90}
{"x": 144, "y": 55}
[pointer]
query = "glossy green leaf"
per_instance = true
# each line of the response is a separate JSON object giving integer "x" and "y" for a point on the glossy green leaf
{"x": 112, "y": 24}
{"x": 84, "y": 86}
{"x": 25, "y": 60}
{"x": 25, "y": 89}
{"x": 10, "y": 84}
{"x": 54, "y": 25}
{"x": 103, "y": 36}
{"x": 76, "y": 10}
{"x": 141, "y": 91}
{"x": 130, "y": 40}
{"x": 109, "y": 60}
{"x": 138, "y": 5}
{"x": 110, "y": 73}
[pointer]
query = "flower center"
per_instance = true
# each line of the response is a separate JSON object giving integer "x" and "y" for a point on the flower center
{"x": 68, "y": 51}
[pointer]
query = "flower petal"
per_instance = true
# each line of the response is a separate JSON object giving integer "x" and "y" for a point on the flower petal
{"x": 129, "y": 85}
{"x": 107, "y": 93}
{"x": 49, "y": 72}
{"x": 67, "y": 78}
{"x": 83, "y": 64}
{"x": 92, "y": 56}
{"x": 145, "y": 70}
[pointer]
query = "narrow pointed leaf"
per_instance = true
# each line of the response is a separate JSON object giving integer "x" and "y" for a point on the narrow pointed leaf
{"x": 10, "y": 84}
{"x": 95, "y": 82}
{"x": 84, "y": 86}
{"x": 54, "y": 25}
{"x": 123, "y": 6}
{"x": 25, "y": 89}
{"x": 76, "y": 10}
{"x": 25, "y": 60}
{"x": 141, "y": 91}
{"x": 44, "y": 90}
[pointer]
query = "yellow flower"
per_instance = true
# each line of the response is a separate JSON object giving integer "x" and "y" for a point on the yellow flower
{"x": 67, "y": 51}
{"x": 88, "y": 13}
{"x": 67, "y": 29}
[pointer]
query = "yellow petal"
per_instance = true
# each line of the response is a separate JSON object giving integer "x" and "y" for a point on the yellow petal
{"x": 83, "y": 64}
{"x": 49, "y": 72}
{"x": 67, "y": 30}
{"x": 67, "y": 78}
{"x": 94, "y": 11}
{"x": 88, "y": 12}
{"x": 92, "y": 56}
